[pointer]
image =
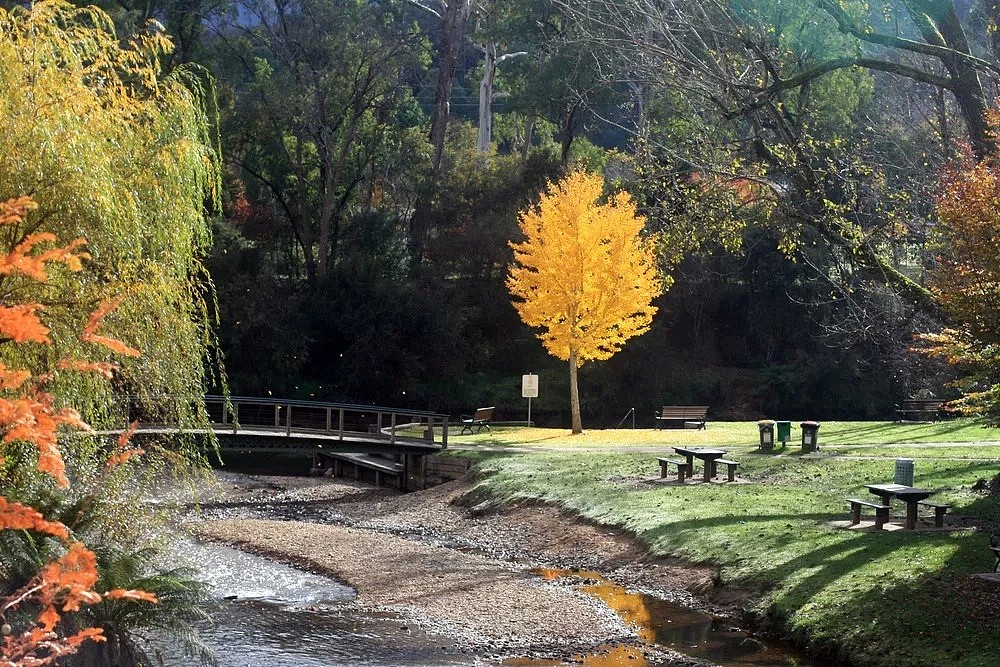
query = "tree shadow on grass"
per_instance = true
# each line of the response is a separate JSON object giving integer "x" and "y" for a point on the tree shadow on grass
{"x": 875, "y": 612}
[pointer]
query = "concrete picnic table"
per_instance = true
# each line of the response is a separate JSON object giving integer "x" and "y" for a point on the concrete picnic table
{"x": 908, "y": 494}
{"x": 706, "y": 454}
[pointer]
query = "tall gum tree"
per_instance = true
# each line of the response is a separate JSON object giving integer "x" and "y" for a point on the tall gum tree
{"x": 584, "y": 274}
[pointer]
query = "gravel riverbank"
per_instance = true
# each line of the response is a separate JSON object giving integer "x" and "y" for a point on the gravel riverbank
{"x": 465, "y": 575}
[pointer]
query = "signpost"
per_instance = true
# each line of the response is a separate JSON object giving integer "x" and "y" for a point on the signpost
{"x": 529, "y": 390}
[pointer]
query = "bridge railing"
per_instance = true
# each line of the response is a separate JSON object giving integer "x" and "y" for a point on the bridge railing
{"x": 331, "y": 419}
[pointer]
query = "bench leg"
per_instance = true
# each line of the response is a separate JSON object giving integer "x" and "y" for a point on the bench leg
{"x": 663, "y": 470}
{"x": 855, "y": 513}
{"x": 732, "y": 473}
{"x": 682, "y": 472}
{"x": 939, "y": 516}
{"x": 881, "y": 516}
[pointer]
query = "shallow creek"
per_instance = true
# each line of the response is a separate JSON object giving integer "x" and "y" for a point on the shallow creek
{"x": 273, "y": 614}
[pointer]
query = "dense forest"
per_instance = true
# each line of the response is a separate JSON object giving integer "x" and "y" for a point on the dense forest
{"x": 789, "y": 158}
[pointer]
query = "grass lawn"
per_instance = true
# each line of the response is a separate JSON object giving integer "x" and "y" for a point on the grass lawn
{"x": 886, "y": 598}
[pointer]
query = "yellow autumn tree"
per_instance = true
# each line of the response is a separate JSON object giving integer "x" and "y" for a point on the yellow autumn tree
{"x": 584, "y": 274}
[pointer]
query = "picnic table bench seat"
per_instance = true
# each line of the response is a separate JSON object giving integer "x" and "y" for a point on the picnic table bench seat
{"x": 919, "y": 409}
{"x": 731, "y": 467}
{"x": 686, "y": 414}
{"x": 682, "y": 468}
{"x": 881, "y": 511}
{"x": 939, "y": 511}
{"x": 478, "y": 420}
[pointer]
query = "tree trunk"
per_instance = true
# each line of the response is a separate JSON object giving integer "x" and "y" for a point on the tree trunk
{"x": 940, "y": 25}
{"x": 485, "y": 136}
{"x": 529, "y": 130}
{"x": 456, "y": 17}
{"x": 574, "y": 394}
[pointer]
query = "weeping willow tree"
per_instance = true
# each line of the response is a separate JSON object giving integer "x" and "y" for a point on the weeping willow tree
{"x": 123, "y": 154}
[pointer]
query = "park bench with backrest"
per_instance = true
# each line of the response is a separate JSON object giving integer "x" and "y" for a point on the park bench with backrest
{"x": 478, "y": 420}
{"x": 919, "y": 409}
{"x": 688, "y": 415}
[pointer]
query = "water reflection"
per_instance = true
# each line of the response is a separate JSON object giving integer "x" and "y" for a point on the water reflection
{"x": 663, "y": 623}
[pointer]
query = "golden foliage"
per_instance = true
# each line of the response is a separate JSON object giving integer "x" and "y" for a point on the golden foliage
{"x": 584, "y": 274}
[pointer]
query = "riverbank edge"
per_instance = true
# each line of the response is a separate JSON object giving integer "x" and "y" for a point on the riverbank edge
{"x": 628, "y": 562}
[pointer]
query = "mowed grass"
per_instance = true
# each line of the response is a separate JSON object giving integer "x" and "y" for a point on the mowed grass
{"x": 837, "y": 433}
{"x": 875, "y": 598}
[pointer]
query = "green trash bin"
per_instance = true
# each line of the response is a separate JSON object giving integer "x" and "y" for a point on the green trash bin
{"x": 766, "y": 428}
{"x": 810, "y": 432}
{"x": 784, "y": 432}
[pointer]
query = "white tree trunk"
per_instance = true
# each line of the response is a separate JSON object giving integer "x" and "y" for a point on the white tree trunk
{"x": 485, "y": 136}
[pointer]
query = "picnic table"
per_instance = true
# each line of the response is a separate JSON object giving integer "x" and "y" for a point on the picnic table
{"x": 706, "y": 454}
{"x": 910, "y": 495}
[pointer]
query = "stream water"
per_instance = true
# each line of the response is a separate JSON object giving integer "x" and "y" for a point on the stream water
{"x": 270, "y": 614}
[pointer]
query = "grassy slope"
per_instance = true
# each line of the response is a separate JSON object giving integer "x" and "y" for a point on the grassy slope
{"x": 879, "y": 598}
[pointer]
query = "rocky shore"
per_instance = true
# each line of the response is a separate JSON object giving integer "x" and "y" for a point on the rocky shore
{"x": 468, "y": 575}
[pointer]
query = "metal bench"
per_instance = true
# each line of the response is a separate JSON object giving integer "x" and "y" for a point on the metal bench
{"x": 682, "y": 468}
{"x": 881, "y": 511}
{"x": 481, "y": 418}
{"x": 939, "y": 511}
{"x": 731, "y": 467}
{"x": 686, "y": 414}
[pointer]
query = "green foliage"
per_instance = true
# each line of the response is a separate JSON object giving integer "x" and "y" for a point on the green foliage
{"x": 324, "y": 116}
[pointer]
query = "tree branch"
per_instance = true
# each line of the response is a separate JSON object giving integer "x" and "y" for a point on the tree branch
{"x": 847, "y": 26}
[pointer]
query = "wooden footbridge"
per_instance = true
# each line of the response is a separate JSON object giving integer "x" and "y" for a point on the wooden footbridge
{"x": 391, "y": 441}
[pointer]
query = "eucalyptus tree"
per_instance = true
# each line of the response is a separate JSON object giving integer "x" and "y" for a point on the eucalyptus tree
{"x": 322, "y": 112}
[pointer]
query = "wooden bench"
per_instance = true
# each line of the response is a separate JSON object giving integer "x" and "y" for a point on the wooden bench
{"x": 995, "y": 548}
{"x": 481, "y": 418}
{"x": 682, "y": 468}
{"x": 919, "y": 409}
{"x": 881, "y": 511}
{"x": 731, "y": 467}
{"x": 939, "y": 511}
{"x": 684, "y": 413}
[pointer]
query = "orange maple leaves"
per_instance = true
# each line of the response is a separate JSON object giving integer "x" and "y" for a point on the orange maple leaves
{"x": 28, "y": 414}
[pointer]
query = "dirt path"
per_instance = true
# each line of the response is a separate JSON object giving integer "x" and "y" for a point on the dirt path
{"x": 452, "y": 570}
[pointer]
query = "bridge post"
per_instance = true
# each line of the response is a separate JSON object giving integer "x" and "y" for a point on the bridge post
{"x": 414, "y": 477}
